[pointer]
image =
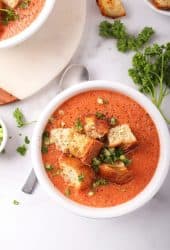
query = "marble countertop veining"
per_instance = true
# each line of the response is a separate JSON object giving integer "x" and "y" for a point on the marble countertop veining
{"x": 38, "y": 223}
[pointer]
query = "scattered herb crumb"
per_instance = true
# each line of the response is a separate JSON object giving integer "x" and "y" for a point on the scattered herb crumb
{"x": 49, "y": 167}
{"x": 100, "y": 182}
{"x": 15, "y": 202}
{"x": 81, "y": 178}
{"x": 27, "y": 141}
{"x": 67, "y": 192}
{"x": 22, "y": 150}
{"x": 100, "y": 115}
{"x": 24, "y": 4}
{"x": 78, "y": 125}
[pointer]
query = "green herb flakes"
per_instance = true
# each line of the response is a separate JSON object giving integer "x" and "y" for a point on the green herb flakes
{"x": 15, "y": 202}
{"x": 22, "y": 150}
{"x": 78, "y": 125}
{"x": 27, "y": 141}
{"x": 81, "y": 178}
{"x": 100, "y": 182}
{"x": 49, "y": 167}
{"x": 100, "y": 115}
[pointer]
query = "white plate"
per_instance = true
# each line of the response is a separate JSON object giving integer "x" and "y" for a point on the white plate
{"x": 28, "y": 67}
{"x": 151, "y": 5}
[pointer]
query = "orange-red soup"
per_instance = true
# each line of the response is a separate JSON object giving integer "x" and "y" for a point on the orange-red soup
{"x": 26, "y": 17}
{"x": 144, "y": 158}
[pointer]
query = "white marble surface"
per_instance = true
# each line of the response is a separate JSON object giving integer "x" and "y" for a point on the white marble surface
{"x": 38, "y": 223}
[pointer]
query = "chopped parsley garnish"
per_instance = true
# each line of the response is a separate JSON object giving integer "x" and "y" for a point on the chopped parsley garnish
{"x": 102, "y": 101}
{"x": 78, "y": 125}
{"x": 81, "y": 177}
{"x": 44, "y": 149}
{"x": 46, "y": 138}
{"x": 125, "y": 41}
{"x": 8, "y": 15}
{"x": 49, "y": 167}
{"x": 100, "y": 115}
{"x": 67, "y": 192}
{"x": 24, "y": 4}
{"x": 109, "y": 156}
{"x": 22, "y": 150}
{"x": 20, "y": 119}
{"x": 15, "y": 202}
{"x": 113, "y": 121}
{"x": 100, "y": 182}
{"x": 27, "y": 141}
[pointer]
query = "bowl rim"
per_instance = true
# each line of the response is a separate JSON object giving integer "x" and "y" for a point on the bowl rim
{"x": 160, "y": 11}
{"x": 31, "y": 29}
{"x": 144, "y": 196}
{"x": 5, "y": 135}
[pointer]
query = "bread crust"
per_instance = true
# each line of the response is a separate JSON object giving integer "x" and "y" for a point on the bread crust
{"x": 161, "y": 4}
{"x": 111, "y": 8}
{"x": 116, "y": 174}
{"x": 69, "y": 165}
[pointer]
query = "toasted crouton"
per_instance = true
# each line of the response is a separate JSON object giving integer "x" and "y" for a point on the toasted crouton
{"x": 117, "y": 173}
{"x": 95, "y": 128}
{"x": 11, "y": 3}
{"x": 78, "y": 145}
{"x": 111, "y": 8}
{"x": 77, "y": 174}
{"x": 162, "y": 4}
{"x": 121, "y": 135}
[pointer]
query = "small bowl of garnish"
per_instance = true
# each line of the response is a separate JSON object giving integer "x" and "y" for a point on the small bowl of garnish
{"x": 3, "y": 135}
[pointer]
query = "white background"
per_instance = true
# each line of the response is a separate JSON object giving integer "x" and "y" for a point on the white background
{"x": 38, "y": 222}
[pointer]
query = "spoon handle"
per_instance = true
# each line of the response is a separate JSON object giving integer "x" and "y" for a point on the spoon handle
{"x": 30, "y": 183}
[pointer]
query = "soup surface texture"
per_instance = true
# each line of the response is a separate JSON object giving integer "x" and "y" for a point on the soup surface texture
{"x": 144, "y": 157}
{"x": 26, "y": 17}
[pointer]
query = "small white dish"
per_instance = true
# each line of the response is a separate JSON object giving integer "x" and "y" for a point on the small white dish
{"x": 31, "y": 29}
{"x": 153, "y": 7}
{"x": 5, "y": 135}
{"x": 143, "y": 197}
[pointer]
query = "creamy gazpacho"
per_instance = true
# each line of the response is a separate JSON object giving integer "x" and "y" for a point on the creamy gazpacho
{"x": 100, "y": 148}
{"x": 17, "y": 15}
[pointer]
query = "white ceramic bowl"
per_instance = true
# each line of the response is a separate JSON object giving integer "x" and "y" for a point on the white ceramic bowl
{"x": 153, "y": 7}
{"x": 32, "y": 28}
{"x": 5, "y": 135}
{"x": 143, "y": 197}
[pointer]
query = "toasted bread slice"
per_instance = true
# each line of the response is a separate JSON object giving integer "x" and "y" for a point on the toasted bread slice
{"x": 121, "y": 135}
{"x": 162, "y": 4}
{"x": 76, "y": 173}
{"x": 79, "y": 145}
{"x": 95, "y": 128}
{"x": 11, "y": 3}
{"x": 111, "y": 8}
{"x": 117, "y": 173}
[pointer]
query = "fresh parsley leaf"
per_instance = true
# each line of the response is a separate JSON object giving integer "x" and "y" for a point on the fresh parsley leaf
{"x": 78, "y": 125}
{"x": 20, "y": 119}
{"x": 125, "y": 41}
{"x": 24, "y": 4}
{"x": 100, "y": 182}
{"x": 15, "y": 202}
{"x": 22, "y": 150}
{"x": 44, "y": 149}
{"x": 100, "y": 115}
{"x": 27, "y": 141}
{"x": 8, "y": 15}
{"x": 151, "y": 72}
{"x": 49, "y": 167}
{"x": 81, "y": 177}
{"x": 113, "y": 121}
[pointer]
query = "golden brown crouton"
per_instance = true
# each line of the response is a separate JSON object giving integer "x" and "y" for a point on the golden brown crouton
{"x": 111, "y": 8}
{"x": 117, "y": 173}
{"x": 121, "y": 135}
{"x": 76, "y": 173}
{"x": 11, "y": 3}
{"x": 95, "y": 128}
{"x": 162, "y": 4}
{"x": 78, "y": 145}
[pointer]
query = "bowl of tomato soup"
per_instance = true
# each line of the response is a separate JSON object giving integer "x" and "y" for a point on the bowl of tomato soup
{"x": 101, "y": 149}
{"x": 20, "y": 19}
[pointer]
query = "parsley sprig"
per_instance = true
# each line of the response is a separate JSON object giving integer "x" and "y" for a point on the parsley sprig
{"x": 151, "y": 72}
{"x": 20, "y": 119}
{"x": 125, "y": 41}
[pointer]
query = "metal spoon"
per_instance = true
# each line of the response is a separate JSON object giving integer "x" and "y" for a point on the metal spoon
{"x": 73, "y": 75}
